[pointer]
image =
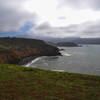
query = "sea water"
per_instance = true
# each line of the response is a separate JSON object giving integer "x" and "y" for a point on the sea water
{"x": 85, "y": 59}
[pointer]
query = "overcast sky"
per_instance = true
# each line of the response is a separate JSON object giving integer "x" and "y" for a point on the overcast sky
{"x": 56, "y": 18}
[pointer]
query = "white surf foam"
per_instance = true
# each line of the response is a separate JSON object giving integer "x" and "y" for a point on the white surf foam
{"x": 32, "y": 62}
{"x": 65, "y": 54}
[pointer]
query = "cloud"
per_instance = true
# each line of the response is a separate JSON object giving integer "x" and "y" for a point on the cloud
{"x": 13, "y": 16}
{"x": 90, "y": 29}
{"x": 87, "y": 29}
{"x": 46, "y": 30}
{"x": 43, "y": 26}
{"x": 81, "y": 4}
{"x": 56, "y": 18}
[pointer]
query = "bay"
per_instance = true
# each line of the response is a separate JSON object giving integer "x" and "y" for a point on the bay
{"x": 85, "y": 60}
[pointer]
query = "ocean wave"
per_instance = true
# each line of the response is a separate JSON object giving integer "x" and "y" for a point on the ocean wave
{"x": 65, "y": 54}
{"x": 32, "y": 62}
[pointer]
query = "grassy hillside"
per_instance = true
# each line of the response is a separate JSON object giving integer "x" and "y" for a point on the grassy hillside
{"x": 20, "y": 83}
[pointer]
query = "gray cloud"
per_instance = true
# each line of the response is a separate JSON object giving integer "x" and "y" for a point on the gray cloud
{"x": 13, "y": 16}
{"x": 48, "y": 30}
{"x": 43, "y": 26}
{"x": 87, "y": 29}
{"x": 90, "y": 29}
{"x": 81, "y": 4}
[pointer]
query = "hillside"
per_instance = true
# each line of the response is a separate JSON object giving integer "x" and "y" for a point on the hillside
{"x": 76, "y": 40}
{"x": 87, "y": 41}
{"x": 80, "y": 40}
{"x": 14, "y": 50}
{"x": 22, "y": 83}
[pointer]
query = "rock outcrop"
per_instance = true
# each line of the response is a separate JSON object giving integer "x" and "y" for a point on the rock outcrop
{"x": 14, "y": 50}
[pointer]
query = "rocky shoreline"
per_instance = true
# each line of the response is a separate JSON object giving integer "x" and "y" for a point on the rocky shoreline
{"x": 27, "y": 60}
{"x": 21, "y": 51}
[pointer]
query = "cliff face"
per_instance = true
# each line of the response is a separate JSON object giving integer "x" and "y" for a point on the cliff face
{"x": 13, "y": 50}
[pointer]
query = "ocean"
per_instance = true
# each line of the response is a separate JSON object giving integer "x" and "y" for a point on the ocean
{"x": 85, "y": 60}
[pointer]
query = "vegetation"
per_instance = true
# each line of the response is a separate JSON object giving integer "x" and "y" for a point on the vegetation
{"x": 13, "y": 50}
{"x": 21, "y": 83}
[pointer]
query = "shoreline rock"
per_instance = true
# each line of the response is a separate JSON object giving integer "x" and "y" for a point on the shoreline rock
{"x": 27, "y": 60}
{"x": 18, "y": 50}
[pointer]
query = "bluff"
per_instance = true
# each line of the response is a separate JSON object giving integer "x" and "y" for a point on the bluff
{"x": 14, "y": 50}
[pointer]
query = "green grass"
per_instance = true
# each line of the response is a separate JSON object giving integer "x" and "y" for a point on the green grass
{"x": 21, "y": 83}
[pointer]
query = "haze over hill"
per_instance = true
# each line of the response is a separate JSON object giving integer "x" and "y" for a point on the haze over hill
{"x": 77, "y": 40}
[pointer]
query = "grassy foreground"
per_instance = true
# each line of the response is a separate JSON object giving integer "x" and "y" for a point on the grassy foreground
{"x": 20, "y": 83}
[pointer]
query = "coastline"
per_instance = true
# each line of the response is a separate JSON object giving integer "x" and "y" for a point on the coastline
{"x": 21, "y": 50}
{"x": 26, "y": 60}
{"x": 29, "y": 59}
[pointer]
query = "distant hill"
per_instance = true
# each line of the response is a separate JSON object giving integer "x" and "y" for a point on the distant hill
{"x": 67, "y": 44}
{"x": 77, "y": 40}
{"x": 13, "y": 50}
{"x": 87, "y": 41}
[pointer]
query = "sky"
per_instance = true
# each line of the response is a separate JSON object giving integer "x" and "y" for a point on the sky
{"x": 53, "y": 18}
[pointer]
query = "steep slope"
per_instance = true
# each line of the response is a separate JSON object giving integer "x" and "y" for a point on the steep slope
{"x": 13, "y": 50}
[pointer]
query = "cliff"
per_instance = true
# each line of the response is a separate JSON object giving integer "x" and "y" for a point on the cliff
{"x": 13, "y": 50}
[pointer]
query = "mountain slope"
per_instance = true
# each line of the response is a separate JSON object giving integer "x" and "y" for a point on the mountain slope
{"x": 13, "y": 50}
